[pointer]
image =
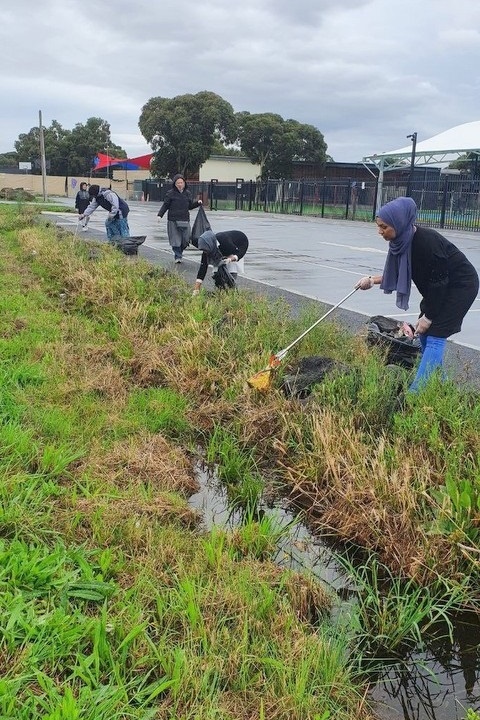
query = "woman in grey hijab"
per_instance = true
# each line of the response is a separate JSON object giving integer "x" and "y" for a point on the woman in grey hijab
{"x": 447, "y": 281}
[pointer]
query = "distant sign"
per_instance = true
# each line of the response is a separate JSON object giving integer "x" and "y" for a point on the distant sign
{"x": 24, "y": 165}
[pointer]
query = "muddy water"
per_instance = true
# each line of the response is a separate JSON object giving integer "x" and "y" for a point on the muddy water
{"x": 439, "y": 683}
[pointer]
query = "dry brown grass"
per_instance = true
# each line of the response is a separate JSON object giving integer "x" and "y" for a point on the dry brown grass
{"x": 143, "y": 459}
{"x": 345, "y": 484}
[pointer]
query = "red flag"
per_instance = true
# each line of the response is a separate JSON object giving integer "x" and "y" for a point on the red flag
{"x": 143, "y": 161}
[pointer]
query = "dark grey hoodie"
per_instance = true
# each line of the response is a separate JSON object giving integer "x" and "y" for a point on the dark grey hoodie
{"x": 178, "y": 203}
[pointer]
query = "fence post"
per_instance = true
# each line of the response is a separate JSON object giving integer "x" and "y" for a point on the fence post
{"x": 444, "y": 204}
{"x": 375, "y": 195}
{"x": 349, "y": 190}
{"x": 324, "y": 187}
{"x": 301, "y": 196}
{"x": 213, "y": 182}
{"x": 239, "y": 193}
{"x": 250, "y": 193}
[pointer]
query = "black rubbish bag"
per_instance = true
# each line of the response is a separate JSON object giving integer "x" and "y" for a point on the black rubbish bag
{"x": 222, "y": 278}
{"x": 200, "y": 225}
{"x": 396, "y": 338}
{"x": 302, "y": 375}
{"x": 128, "y": 245}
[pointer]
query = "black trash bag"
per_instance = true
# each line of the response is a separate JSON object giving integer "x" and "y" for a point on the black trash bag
{"x": 395, "y": 337}
{"x": 200, "y": 225}
{"x": 128, "y": 245}
{"x": 303, "y": 375}
{"x": 222, "y": 278}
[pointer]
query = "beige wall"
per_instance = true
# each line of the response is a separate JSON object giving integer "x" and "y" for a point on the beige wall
{"x": 223, "y": 168}
{"x": 55, "y": 186}
{"x": 228, "y": 169}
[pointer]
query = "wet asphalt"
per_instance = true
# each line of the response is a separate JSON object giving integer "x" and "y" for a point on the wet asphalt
{"x": 305, "y": 261}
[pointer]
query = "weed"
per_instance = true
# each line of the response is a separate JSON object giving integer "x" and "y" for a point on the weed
{"x": 391, "y": 613}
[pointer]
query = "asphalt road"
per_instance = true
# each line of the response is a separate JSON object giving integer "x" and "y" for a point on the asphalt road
{"x": 305, "y": 260}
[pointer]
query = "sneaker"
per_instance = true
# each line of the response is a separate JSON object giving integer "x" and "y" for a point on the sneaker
{"x": 178, "y": 261}
{"x": 84, "y": 228}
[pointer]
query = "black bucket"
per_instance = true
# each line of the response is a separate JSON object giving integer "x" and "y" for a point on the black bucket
{"x": 390, "y": 335}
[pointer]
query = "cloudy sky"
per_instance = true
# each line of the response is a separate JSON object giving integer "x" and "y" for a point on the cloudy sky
{"x": 366, "y": 73}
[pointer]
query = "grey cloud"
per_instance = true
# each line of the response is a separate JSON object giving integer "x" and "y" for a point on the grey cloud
{"x": 365, "y": 72}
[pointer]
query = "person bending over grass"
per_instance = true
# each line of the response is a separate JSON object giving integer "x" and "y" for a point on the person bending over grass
{"x": 447, "y": 281}
{"x": 223, "y": 250}
{"x": 116, "y": 223}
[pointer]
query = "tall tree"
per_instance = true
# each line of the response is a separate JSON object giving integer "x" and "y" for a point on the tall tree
{"x": 467, "y": 163}
{"x": 182, "y": 130}
{"x": 275, "y": 143}
{"x": 67, "y": 152}
{"x": 86, "y": 141}
{"x": 9, "y": 160}
{"x": 28, "y": 148}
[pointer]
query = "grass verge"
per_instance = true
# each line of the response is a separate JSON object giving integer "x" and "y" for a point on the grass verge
{"x": 114, "y": 604}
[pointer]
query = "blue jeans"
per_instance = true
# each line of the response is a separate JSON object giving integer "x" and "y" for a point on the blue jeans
{"x": 433, "y": 349}
{"x": 116, "y": 228}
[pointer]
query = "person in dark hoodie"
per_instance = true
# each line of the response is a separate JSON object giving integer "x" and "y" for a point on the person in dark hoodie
{"x": 178, "y": 202}
{"x": 223, "y": 250}
{"x": 82, "y": 200}
{"x": 116, "y": 223}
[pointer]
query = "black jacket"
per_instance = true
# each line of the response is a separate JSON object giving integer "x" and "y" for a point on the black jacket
{"x": 82, "y": 201}
{"x": 230, "y": 242}
{"x": 178, "y": 204}
{"x": 447, "y": 281}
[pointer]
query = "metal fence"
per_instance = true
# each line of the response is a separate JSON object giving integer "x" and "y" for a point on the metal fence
{"x": 442, "y": 202}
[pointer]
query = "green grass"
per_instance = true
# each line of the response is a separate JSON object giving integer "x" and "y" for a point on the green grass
{"x": 106, "y": 403}
{"x": 114, "y": 604}
{"x": 391, "y": 613}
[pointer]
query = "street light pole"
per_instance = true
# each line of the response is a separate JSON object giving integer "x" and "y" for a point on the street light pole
{"x": 413, "y": 138}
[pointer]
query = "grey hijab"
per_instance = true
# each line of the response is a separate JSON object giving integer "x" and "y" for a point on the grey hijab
{"x": 397, "y": 273}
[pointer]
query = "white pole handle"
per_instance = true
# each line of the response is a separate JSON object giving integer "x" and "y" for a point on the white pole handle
{"x": 280, "y": 355}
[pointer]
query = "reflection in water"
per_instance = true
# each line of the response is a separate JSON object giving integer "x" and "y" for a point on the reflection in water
{"x": 437, "y": 684}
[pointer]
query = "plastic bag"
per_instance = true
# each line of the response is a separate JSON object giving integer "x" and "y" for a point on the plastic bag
{"x": 396, "y": 338}
{"x": 128, "y": 245}
{"x": 201, "y": 224}
{"x": 222, "y": 278}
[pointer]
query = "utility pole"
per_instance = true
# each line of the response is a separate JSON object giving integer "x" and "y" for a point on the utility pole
{"x": 42, "y": 156}
{"x": 413, "y": 138}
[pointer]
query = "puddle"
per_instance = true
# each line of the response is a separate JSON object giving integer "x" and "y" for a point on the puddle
{"x": 438, "y": 684}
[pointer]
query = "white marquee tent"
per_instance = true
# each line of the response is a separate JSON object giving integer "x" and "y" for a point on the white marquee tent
{"x": 442, "y": 148}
